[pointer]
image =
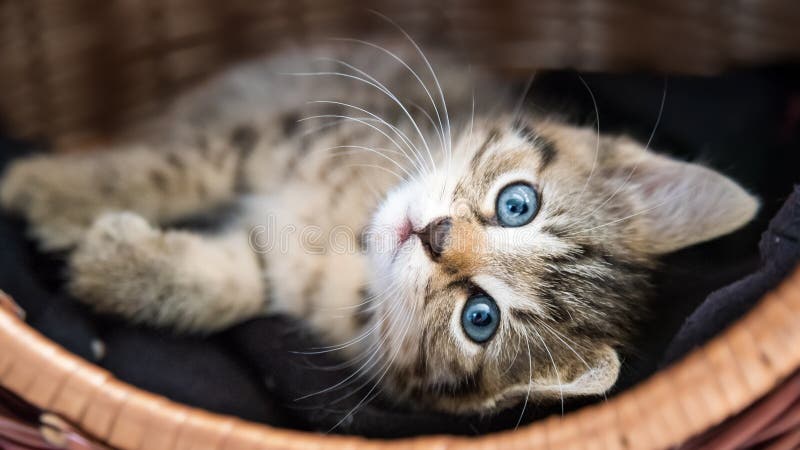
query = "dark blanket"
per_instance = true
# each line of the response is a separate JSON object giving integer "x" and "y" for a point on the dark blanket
{"x": 744, "y": 124}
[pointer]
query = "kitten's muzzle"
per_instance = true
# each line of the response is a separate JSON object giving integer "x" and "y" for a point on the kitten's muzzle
{"x": 435, "y": 237}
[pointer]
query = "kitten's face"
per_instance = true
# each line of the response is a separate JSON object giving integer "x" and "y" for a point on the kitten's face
{"x": 521, "y": 265}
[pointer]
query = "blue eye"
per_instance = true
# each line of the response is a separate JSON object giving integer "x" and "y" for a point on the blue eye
{"x": 480, "y": 318}
{"x": 517, "y": 205}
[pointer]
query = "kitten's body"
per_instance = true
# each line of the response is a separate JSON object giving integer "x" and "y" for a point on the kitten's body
{"x": 308, "y": 190}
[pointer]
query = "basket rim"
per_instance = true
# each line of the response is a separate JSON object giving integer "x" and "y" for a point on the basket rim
{"x": 747, "y": 360}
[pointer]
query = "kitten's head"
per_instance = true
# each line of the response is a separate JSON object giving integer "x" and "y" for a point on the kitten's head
{"x": 521, "y": 266}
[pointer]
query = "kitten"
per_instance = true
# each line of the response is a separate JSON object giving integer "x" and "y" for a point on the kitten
{"x": 468, "y": 256}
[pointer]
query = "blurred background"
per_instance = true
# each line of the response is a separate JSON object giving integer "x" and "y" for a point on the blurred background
{"x": 76, "y": 71}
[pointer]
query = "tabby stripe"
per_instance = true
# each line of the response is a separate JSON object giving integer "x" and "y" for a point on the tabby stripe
{"x": 462, "y": 387}
{"x": 261, "y": 260}
{"x": 159, "y": 180}
{"x": 547, "y": 150}
{"x": 493, "y": 136}
{"x": 364, "y": 312}
{"x": 175, "y": 161}
{"x": 243, "y": 139}
{"x": 525, "y": 316}
{"x": 422, "y": 355}
{"x": 290, "y": 123}
{"x": 546, "y": 147}
{"x": 310, "y": 290}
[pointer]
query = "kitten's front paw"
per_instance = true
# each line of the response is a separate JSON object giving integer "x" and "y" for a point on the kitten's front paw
{"x": 112, "y": 231}
{"x": 112, "y": 267}
{"x": 38, "y": 190}
{"x": 57, "y": 234}
{"x": 18, "y": 185}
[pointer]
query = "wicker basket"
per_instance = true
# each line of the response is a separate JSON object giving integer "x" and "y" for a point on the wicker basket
{"x": 77, "y": 71}
{"x": 713, "y": 383}
{"x": 82, "y": 69}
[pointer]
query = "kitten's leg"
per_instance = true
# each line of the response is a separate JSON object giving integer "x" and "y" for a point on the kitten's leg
{"x": 61, "y": 195}
{"x": 167, "y": 278}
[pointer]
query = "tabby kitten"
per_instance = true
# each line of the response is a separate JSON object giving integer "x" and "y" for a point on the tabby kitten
{"x": 467, "y": 256}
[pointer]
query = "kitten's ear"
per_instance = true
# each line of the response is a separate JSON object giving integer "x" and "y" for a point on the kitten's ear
{"x": 591, "y": 375}
{"x": 679, "y": 204}
{"x": 594, "y": 376}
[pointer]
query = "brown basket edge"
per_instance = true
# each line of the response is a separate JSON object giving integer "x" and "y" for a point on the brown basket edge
{"x": 663, "y": 411}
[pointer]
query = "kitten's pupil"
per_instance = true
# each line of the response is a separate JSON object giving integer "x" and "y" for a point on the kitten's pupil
{"x": 481, "y": 317}
{"x": 516, "y": 206}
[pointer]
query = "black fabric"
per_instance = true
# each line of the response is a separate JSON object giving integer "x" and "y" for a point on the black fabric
{"x": 780, "y": 253}
{"x": 193, "y": 370}
{"x": 744, "y": 124}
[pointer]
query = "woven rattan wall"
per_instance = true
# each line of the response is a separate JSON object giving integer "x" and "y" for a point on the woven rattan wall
{"x": 77, "y": 69}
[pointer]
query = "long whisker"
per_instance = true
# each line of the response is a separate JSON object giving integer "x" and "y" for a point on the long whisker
{"x": 413, "y": 72}
{"x": 344, "y": 75}
{"x": 434, "y": 127}
{"x": 332, "y": 348}
{"x": 559, "y": 336}
{"x": 351, "y": 149}
{"x": 597, "y": 138}
{"x": 371, "y": 299}
{"x": 372, "y": 117}
{"x": 363, "y": 122}
{"x": 344, "y": 382}
{"x": 618, "y": 220}
{"x": 355, "y": 149}
{"x": 521, "y": 101}
{"x": 471, "y": 127}
{"x": 394, "y": 98}
{"x": 513, "y": 359}
{"x": 430, "y": 69}
{"x": 387, "y": 366}
{"x": 368, "y": 351}
{"x": 530, "y": 382}
{"x": 336, "y": 122}
{"x": 375, "y": 166}
{"x": 646, "y": 147}
{"x": 372, "y": 350}
{"x": 399, "y": 132}
{"x": 555, "y": 368}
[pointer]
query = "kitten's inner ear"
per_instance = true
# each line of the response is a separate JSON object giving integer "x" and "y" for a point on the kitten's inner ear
{"x": 679, "y": 204}
{"x": 594, "y": 375}
{"x": 591, "y": 375}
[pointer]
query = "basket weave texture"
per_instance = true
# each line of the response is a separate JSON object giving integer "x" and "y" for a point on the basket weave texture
{"x": 713, "y": 383}
{"x": 78, "y": 70}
